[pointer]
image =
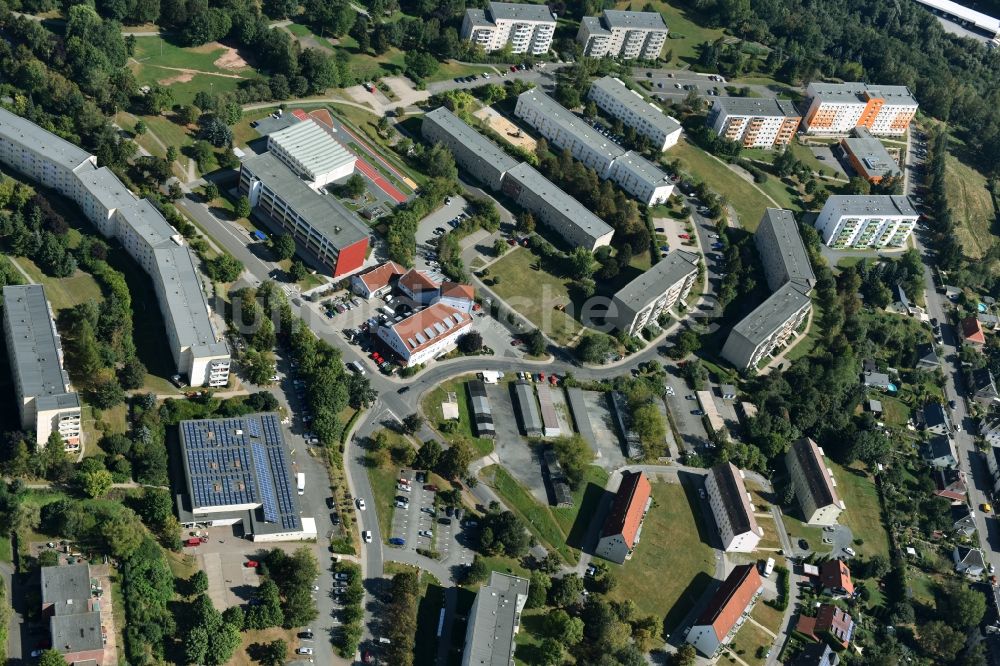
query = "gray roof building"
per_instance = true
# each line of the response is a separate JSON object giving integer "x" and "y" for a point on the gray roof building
{"x": 857, "y": 92}
{"x": 527, "y": 409}
{"x": 939, "y": 451}
{"x": 482, "y": 415}
{"x": 927, "y": 358}
{"x": 515, "y": 11}
{"x": 868, "y": 156}
{"x": 567, "y": 130}
{"x": 322, "y": 213}
{"x": 618, "y": 18}
{"x": 637, "y": 112}
{"x": 870, "y": 205}
{"x": 77, "y": 633}
{"x": 782, "y": 251}
{"x": 581, "y": 417}
{"x": 656, "y": 288}
{"x": 563, "y": 496}
{"x": 766, "y": 327}
{"x": 494, "y": 621}
{"x": 57, "y": 149}
{"x": 182, "y": 298}
{"x": 753, "y": 106}
{"x": 34, "y": 347}
{"x": 473, "y": 152}
{"x": 67, "y": 600}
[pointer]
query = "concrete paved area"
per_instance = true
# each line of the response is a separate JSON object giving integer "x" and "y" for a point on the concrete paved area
{"x": 609, "y": 446}
{"x": 513, "y": 450}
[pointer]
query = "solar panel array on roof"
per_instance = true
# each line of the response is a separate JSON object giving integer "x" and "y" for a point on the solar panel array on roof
{"x": 267, "y": 497}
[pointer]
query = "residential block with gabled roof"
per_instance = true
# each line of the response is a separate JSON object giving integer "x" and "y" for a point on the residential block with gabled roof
{"x": 653, "y": 292}
{"x": 813, "y": 482}
{"x": 477, "y": 155}
{"x": 727, "y": 610}
{"x": 782, "y": 251}
{"x": 623, "y": 525}
{"x": 732, "y": 509}
{"x": 830, "y": 623}
{"x": 972, "y": 332}
{"x": 73, "y": 614}
{"x": 426, "y": 334}
{"x": 494, "y": 621}
{"x": 613, "y": 97}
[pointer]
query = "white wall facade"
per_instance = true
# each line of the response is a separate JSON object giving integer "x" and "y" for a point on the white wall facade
{"x": 637, "y": 182}
{"x": 524, "y": 36}
{"x": 864, "y": 231}
{"x": 612, "y": 105}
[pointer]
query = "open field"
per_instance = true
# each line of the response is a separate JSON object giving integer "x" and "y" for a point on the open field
{"x": 746, "y": 199}
{"x": 767, "y": 616}
{"x": 863, "y": 514}
{"x": 586, "y": 499}
{"x": 213, "y": 57}
{"x": 971, "y": 208}
{"x": 431, "y": 407}
{"x": 63, "y": 293}
{"x": 674, "y": 541}
{"x": 685, "y": 34}
{"x": 535, "y": 294}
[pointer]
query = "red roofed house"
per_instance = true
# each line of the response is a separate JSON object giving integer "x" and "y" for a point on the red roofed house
{"x": 972, "y": 332}
{"x": 727, "y": 610}
{"x": 418, "y": 286}
{"x": 835, "y": 579}
{"x": 459, "y": 296}
{"x": 622, "y": 528}
{"x": 426, "y": 334}
{"x": 831, "y": 623}
{"x": 949, "y": 483}
{"x": 376, "y": 281}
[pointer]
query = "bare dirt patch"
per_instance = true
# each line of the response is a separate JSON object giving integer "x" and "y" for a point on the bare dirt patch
{"x": 508, "y": 130}
{"x": 231, "y": 60}
{"x": 178, "y": 78}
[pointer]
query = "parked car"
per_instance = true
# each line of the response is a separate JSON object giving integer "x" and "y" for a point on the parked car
{"x": 430, "y": 487}
{"x": 361, "y": 504}
{"x": 426, "y": 533}
{"x": 849, "y": 551}
{"x": 366, "y": 536}
{"x": 304, "y": 650}
{"x": 251, "y": 564}
{"x": 396, "y": 541}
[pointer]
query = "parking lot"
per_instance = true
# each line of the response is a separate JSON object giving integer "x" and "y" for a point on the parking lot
{"x": 420, "y": 526}
{"x": 520, "y": 459}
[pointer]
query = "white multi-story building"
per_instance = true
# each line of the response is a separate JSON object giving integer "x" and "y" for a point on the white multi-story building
{"x": 199, "y": 352}
{"x": 308, "y": 149}
{"x": 653, "y": 292}
{"x": 623, "y": 34}
{"x": 427, "y": 334}
{"x": 733, "y": 511}
{"x": 837, "y": 108}
{"x": 866, "y": 221}
{"x": 754, "y": 123}
{"x": 629, "y": 170}
{"x": 526, "y": 28}
{"x": 46, "y": 401}
{"x": 613, "y": 97}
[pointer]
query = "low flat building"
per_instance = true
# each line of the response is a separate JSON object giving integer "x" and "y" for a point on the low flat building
{"x": 555, "y": 209}
{"x": 73, "y": 613}
{"x": 863, "y": 221}
{"x": 733, "y": 511}
{"x": 813, "y": 482}
{"x": 494, "y": 621}
{"x": 562, "y": 495}
{"x": 427, "y": 334}
{"x": 984, "y": 388}
{"x": 868, "y": 156}
{"x": 623, "y": 526}
{"x": 550, "y": 422}
{"x": 835, "y": 579}
{"x": 782, "y": 251}
{"x": 524, "y": 27}
{"x": 309, "y": 150}
{"x": 613, "y": 97}
{"x": 767, "y": 328}
{"x": 706, "y": 401}
{"x": 319, "y": 224}
{"x": 474, "y": 153}
{"x": 482, "y": 414}
{"x": 754, "y": 123}
{"x": 838, "y": 108}
{"x": 377, "y": 281}
{"x": 581, "y": 414}
{"x": 237, "y": 471}
{"x": 46, "y": 401}
{"x": 623, "y": 34}
{"x": 623, "y": 420}
{"x": 727, "y": 610}
{"x": 527, "y": 409}
{"x": 830, "y": 624}
{"x": 653, "y": 292}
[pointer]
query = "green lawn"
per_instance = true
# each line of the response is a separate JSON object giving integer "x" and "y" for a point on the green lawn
{"x": 768, "y": 616}
{"x": 538, "y": 517}
{"x": 804, "y": 344}
{"x": 431, "y": 408}
{"x": 63, "y": 293}
{"x": 574, "y": 520}
{"x": 799, "y": 530}
{"x": 156, "y": 51}
{"x": 530, "y": 637}
{"x": 894, "y": 411}
{"x": 746, "y": 199}
{"x": 971, "y": 207}
{"x": 673, "y": 564}
{"x": 863, "y": 514}
{"x": 749, "y": 639}
{"x": 535, "y": 294}
{"x": 685, "y": 34}
{"x": 6, "y": 553}
{"x": 452, "y": 69}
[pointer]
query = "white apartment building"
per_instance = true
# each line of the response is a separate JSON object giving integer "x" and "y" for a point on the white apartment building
{"x": 632, "y": 172}
{"x": 526, "y": 28}
{"x": 427, "y": 334}
{"x": 754, "y": 123}
{"x": 866, "y": 221}
{"x": 733, "y": 511}
{"x": 813, "y": 482}
{"x": 623, "y": 34}
{"x": 613, "y": 97}
{"x": 653, "y": 292}
{"x": 46, "y": 401}
{"x": 837, "y": 108}
{"x": 199, "y": 352}
{"x": 308, "y": 149}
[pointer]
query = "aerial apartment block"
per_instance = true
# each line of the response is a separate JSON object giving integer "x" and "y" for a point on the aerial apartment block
{"x": 653, "y": 292}
{"x": 623, "y": 34}
{"x": 727, "y": 610}
{"x": 629, "y": 170}
{"x": 199, "y": 352}
{"x": 868, "y": 156}
{"x": 613, "y": 97}
{"x": 623, "y": 526}
{"x": 526, "y": 28}
{"x": 733, "y": 511}
{"x": 814, "y": 485}
{"x": 46, "y": 401}
{"x": 837, "y": 108}
{"x": 782, "y": 251}
{"x": 865, "y": 221}
{"x": 754, "y": 123}
{"x": 494, "y": 621}
{"x": 473, "y": 152}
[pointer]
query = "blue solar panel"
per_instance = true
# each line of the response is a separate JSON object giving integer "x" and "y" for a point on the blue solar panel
{"x": 253, "y": 427}
{"x": 266, "y": 483}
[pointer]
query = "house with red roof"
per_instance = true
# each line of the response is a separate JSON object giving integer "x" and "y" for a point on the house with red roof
{"x": 972, "y": 332}
{"x": 623, "y": 526}
{"x": 835, "y": 579}
{"x": 727, "y": 610}
{"x": 376, "y": 281}
{"x": 419, "y": 287}
{"x": 831, "y": 624}
{"x": 457, "y": 295}
{"x": 427, "y": 334}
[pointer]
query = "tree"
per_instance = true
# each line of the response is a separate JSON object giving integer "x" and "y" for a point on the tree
{"x": 428, "y": 455}
{"x": 188, "y": 114}
{"x": 419, "y": 64}
{"x": 566, "y": 591}
{"x": 454, "y": 463}
{"x": 297, "y": 271}
{"x": 198, "y": 583}
{"x": 550, "y": 652}
{"x": 224, "y": 268}
{"x": 132, "y": 374}
{"x": 961, "y": 606}
{"x": 412, "y": 423}
{"x": 941, "y": 641}
{"x": 51, "y": 658}
{"x": 647, "y": 422}
{"x": 470, "y": 343}
{"x": 274, "y": 653}
{"x": 259, "y": 366}
{"x": 86, "y": 350}
{"x": 217, "y": 132}
{"x": 594, "y": 347}
{"x": 685, "y": 655}
{"x": 565, "y": 629}
{"x": 538, "y": 590}
{"x": 107, "y": 393}
{"x": 499, "y": 247}
{"x": 283, "y": 246}
{"x": 355, "y": 186}
{"x": 503, "y": 532}
{"x": 140, "y": 127}
{"x": 97, "y": 483}
{"x": 525, "y": 221}
{"x": 242, "y": 207}
{"x": 534, "y": 342}
{"x": 574, "y": 456}
{"x": 581, "y": 263}
{"x": 478, "y": 571}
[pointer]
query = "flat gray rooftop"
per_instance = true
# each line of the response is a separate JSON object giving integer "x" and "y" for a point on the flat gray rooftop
{"x": 635, "y": 103}
{"x": 760, "y": 324}
{"x": 870, "y": 205}
{"x": 77, "y": 633}
{"x": 312, "y": 146}
{"x": 871, "y": 153}
{"x": 323, "y": 213}
{"x": 785, "y": 230}
{"x": 659, "y": 278}
{"x": 594, "y": 25}
{"x": 472, "y": 140}
{"x": 185, "y": 300}
{"x": 490, "y": 640}
{"x": 570, "y": 123}
{"x": 67, "y": 588}
{"x": 576, "y": 212}
{"x": 29, "y": 134}
{"x": 855, "y": 91}
{"x": 34, "y": 347}
{"x": 751, "y": 106}
{"x": 616, "y": 18}
{"x": 515, "y": 11}
{"x": 644, "y": 169}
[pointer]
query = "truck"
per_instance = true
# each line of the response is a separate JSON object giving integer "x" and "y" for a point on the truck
{"x": 301, "y": 483}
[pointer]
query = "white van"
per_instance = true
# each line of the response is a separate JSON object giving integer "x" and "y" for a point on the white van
{"x": 768, "y": 567}
{"x": 301, "y": 483}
